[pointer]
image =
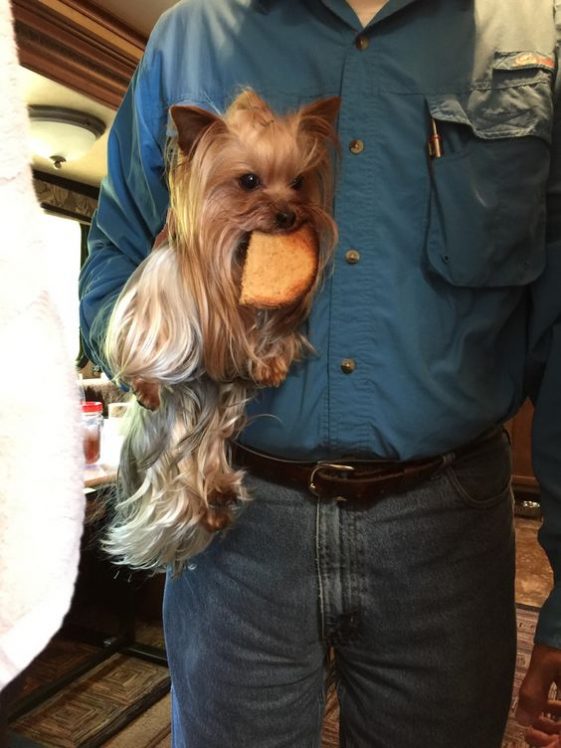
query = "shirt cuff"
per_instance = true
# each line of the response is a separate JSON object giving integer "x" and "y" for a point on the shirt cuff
{"x": 548, "y": 630}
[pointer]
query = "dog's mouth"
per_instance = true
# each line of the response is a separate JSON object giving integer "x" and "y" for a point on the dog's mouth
{"x": 241, "y": 250}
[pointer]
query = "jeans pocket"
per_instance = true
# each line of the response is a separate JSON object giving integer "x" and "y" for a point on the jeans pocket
{"x": 483, "y": 478}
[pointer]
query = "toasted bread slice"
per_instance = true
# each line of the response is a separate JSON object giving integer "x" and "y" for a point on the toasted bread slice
{"x": 279, "y": 268}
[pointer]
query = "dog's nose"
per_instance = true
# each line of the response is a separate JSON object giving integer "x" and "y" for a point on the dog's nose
{"x": 285, "y": 219}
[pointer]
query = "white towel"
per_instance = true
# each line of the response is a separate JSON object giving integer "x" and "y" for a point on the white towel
{"x": 41, "y": 470}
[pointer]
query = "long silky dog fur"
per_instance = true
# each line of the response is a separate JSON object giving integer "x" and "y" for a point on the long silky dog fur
{"x": 179, "y": 336}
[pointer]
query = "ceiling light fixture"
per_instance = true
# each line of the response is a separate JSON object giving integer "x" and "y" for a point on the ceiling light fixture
{"x": 62, "y": 135}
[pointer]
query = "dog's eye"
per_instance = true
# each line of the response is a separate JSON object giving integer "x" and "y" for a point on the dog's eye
{"x": 249, "y": 181}
{"x": 297, "y": 183}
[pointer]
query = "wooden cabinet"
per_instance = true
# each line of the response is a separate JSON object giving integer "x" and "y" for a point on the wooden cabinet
{"x": 520, "y": 429}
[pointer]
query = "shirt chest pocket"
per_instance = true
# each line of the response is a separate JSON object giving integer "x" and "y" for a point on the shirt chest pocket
{"x": 487, "y": 207}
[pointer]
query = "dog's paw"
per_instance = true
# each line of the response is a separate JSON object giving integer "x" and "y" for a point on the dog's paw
{"x": 219, "y": 512}
{"x": 146, "y": 393}
{"x": 270, "y": 373}
{"x": 216, "y": 518}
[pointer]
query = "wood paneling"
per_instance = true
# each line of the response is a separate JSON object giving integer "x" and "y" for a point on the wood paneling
{"x": 78, "y": 45}
{"x": 520, "y": 428}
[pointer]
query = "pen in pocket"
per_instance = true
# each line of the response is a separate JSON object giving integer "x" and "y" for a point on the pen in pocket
{"x": 435, "y": 141}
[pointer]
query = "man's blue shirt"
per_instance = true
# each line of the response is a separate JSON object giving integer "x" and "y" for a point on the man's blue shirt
{"x": 441, "y": 310}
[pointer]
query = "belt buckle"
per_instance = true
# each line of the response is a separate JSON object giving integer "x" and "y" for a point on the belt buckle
{"x": 330, "y": 466}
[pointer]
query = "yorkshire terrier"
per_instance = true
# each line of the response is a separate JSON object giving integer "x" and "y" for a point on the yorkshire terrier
{"x": 178, "y": 335}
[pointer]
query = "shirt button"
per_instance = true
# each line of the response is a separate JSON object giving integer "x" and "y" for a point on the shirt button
{"x": 362, "y": 42}
{"x": 352, "y": 256}
{"x": 348, "y": 365}
{"x": 356, "y": 146}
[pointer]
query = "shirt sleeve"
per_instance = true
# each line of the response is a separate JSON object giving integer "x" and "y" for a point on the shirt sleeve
{"x": 544, "y": 387}
{"x": 133, "y": 199}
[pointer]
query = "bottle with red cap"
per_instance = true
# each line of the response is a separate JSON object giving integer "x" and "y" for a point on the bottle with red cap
{"x": 92, "y": 415}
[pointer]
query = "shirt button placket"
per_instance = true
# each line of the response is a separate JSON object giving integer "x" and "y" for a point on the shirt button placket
{"x": 362, "y": 42}
{"x": 352, "y": 256}
{"x": 355, "y": 132}
{"x": 356, "y": 146}
{"x": 348, "y": 365}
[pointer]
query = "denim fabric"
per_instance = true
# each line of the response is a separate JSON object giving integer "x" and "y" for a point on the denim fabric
{"x": 415, "y": 595}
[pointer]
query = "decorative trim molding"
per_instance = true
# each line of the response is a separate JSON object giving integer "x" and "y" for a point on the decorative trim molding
{"x": 65, "y": 197}
{"x": 78, "y": 45}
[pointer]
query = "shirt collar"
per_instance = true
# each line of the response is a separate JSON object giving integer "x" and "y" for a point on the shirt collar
{"x": 263, "y": 5}
{"x": 390, "y": 7}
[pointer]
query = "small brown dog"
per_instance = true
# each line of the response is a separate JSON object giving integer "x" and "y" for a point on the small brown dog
{"x": 182, "y": 338}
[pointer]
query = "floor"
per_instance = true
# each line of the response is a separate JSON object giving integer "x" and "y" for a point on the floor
{"x": 533, "y": 574}
{"x": 151, "y": 729}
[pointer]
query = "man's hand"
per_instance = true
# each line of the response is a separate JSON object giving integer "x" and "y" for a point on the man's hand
{"x": 535, "y": 710}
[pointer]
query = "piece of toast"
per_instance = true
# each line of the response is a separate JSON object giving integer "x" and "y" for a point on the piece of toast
{"x": 279, "y": 268}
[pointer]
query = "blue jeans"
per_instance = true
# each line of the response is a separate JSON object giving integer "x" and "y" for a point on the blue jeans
{"x": 415, "y": 594}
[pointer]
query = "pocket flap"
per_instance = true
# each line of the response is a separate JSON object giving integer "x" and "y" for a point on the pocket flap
{"x": 530, "y": 60}
{"x": 515, "y": 103}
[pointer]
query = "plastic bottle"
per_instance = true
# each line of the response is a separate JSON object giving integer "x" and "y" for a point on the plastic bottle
{"x": 92, "y": 414}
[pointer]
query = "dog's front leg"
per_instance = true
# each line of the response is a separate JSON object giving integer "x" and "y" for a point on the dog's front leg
{"x": 271, "y": 368}
{"x": 153, "y": 337}
{"x": 271, "y": 372}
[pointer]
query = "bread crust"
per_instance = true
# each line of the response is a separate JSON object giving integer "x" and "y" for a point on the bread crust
{"x": 279, "y": 268}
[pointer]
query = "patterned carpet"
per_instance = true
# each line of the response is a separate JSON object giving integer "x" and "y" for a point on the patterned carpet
{"x": 527, "y": 617}
{"x": 151, "y": 730}
{"x": 96, "y": 706}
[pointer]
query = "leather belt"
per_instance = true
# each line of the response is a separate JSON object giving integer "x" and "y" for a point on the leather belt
{"x": 361, "y": 481}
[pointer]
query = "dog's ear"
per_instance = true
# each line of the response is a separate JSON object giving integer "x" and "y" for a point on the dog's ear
{"x": 191, "y": 122}
{"x": 324, "y": 109}
{"x": 317, "y": 119}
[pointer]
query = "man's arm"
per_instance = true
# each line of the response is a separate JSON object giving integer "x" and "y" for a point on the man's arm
{"x": 544, "y": 387}
{"x": 133, "y": 199}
